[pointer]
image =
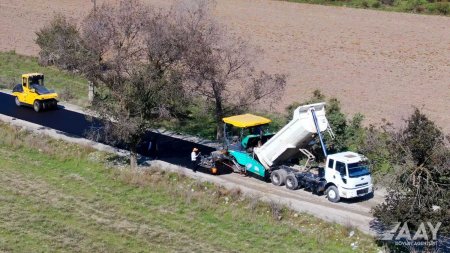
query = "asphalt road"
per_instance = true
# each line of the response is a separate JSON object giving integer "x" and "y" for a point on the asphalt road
{"x": 72, "y": 123}
{"x": 177, "y": 151}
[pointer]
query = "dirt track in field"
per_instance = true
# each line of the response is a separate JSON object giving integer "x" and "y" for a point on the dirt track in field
{"x": 377, "y": 63}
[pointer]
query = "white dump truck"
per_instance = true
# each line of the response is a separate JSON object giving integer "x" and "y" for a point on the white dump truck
{"x": 344, "y": 175}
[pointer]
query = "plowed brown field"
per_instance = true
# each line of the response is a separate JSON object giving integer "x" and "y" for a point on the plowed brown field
{"x": 377, "y": 63}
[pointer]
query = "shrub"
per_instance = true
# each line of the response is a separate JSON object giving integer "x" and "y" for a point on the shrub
{"x": 348, "y": 133}
{"x": 60, "y": 44}
{"x": 387, "y": 2}
{"x": 375, "y": 147}
{"x": 443, "y": 7}
{"x": 8, "y": 83}
{"x": 376, "y": 4}
{"x": 66, "y": 94}
{"x": 365, "y": 4}
{"x": 411, "y": 5}
{"x": 420, "y": 137}
{"x": 420, "y": 9}
{"x": 419, "y": 189}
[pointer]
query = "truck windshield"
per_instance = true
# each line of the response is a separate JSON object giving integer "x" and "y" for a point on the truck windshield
{"x": 358, "y": 169}
{"x": 38, "y": 80}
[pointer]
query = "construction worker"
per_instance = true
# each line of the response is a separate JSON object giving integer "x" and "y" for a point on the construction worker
{"x": 152, "y": 148}
{"x": 194, "y": 157}
{"x": 235, "y": 145}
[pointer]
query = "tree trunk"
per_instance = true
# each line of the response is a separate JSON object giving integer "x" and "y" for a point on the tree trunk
{"x": 219, "y": 116}
{"x": 133, "y": 159}
{"x": 219, "y": 134}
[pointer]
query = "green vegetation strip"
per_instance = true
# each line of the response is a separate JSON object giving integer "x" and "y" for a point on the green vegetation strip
{"x": 412, "y": 6}
{"x": 70, "y": 87}
{"x": 59, "y": 197}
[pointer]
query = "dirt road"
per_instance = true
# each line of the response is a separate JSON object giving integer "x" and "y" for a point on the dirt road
{"x": 377, "y": 63}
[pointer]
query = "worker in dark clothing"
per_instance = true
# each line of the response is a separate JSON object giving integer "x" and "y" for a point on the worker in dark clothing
{"x": 194, "y": 159}
{"x": 152, "y": 148}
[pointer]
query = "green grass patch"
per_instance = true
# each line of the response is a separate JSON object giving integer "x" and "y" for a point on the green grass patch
{"x": 411, "y": 6}
{"x": 199, "y": 121}
{"x": 59, "y": 197}
{"x": 70, "y": 87}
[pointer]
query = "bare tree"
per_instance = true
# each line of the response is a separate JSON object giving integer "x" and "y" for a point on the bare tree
{"x": 130, "y": 56}
{"x": 136, "y": 65}
{"x": 220, "y": 66}
{"x": 144, "y": 61}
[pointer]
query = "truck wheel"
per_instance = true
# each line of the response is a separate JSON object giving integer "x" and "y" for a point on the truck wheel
{"x": 291, "y": 182}
{"x": 333, "y": 194}
{"x": 277, "y": 178}
{"x": 17, "y": 101}
{"x": 283, "y": 174}
{"x": 37, "y": 106}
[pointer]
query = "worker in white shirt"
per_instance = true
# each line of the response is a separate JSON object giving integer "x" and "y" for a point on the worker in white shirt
{"x": 194, "y": 157}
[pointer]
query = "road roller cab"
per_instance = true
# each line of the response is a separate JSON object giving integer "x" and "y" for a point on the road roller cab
{"x": 32, "y": 92}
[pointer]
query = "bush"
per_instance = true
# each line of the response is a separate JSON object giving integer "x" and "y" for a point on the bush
{"x": 420, "y": 9}
{"x": 419, "y": 189}
{"x": 348, "y": 133}
{"x": 60, "y": 44}
{"x": 387, "y": 2}
{"x": 376, "y": 5}
{"x": 8, "y": 83}
{"x": 411, "y": 5}
{"x": 375, "y": 147}
{"x": 66, "y": 94}
{"x": 420, "y": 137}
{"x": 443, "y": 7}
{"x": 365, "y": 4}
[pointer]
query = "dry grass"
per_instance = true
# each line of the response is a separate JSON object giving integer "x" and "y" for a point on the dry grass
{"x": 61, "y": 197}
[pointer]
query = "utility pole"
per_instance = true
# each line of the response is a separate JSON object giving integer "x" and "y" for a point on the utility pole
{"x": 90, "y": 83}
{"x": 90, "y": 91}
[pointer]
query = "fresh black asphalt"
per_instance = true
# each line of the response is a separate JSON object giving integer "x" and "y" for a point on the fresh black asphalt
{"x": 173, "y": 150}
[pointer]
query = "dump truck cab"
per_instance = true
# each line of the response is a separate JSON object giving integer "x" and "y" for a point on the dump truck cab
{"x": 32, "y": 92}
{"x": 349, "y": 173}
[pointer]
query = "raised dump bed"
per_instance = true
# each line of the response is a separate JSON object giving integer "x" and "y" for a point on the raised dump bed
{"x": 287, "y": 142}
